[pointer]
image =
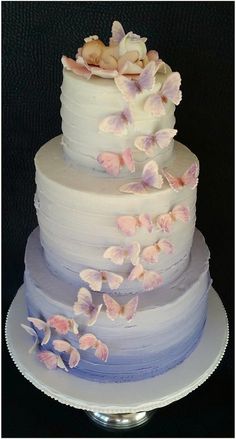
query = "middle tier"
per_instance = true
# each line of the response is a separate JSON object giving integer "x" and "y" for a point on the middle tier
{"x": 78, "y": 212}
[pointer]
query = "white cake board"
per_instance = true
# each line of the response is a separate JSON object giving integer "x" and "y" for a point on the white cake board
{"x": 125, "y": 398}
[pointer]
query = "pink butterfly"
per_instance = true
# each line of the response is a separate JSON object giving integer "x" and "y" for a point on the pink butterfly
{"x": 64, "y": 346}
{"x": 112, "y": 162}
{"x": 84, "y": 305}
{"x": 155, "y": 104}
{"x": 149, "y": 279}
{"x": 130, "y": 88}
{"x": 42, "y": 326}
{"x": 62, "y": 325}
{"x": 32, "y": 332}
{"x": 117, "y": 123}
{"x": 150, "y": 179}
{"x": 51, "y": 360}
{"x": 189, "y": 178}
{"x": 88, "y": 341}
{"x": 148, "y": 143}
{"x": 179, "y": 212}
{"x": 95, "y": 279}
{"x": 119, "y": 254}
{"x": 151, "y": 253}
{"x": 114, "y": 309}
{"x": 117, "y": 32}
{"x": 129, "y": 224}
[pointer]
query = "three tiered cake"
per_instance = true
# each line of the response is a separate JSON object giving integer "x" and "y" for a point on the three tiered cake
{"x": 117, "y": 276}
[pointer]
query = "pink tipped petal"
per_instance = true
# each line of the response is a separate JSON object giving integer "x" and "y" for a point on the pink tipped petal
{"x": 181, "y": 213}
{"x": 113, "y": 307}
{"x": 150, "y": 254}
{"x": 151, "y": 280}
{"x": 165, "y": 246}
{"x": 146, "y": 221}
{"x": 87, "y": 341}
{"x": 127, "y": 225}
{"x": 136, "y": 273}
{"x": 76, "y": 68}
{"x": 60, "y": 323}
{"x": 102, "y": 351}
{"x": 113, "y": 280}
{"x": 128, "y": 160}
{"x": 48, "y": 358}
{"x": 164, "y": 222}
{"x": 74, "y": 358}
{"x": 61, "y": 346}
{"x": 93, "y": 278}
{"x": 130, "y": 309}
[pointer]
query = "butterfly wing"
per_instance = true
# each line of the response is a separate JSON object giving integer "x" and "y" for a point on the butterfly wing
{"x": 48, "y": 358}
{"x": 151, "y": 280}
{"x": 170, "y": 88}
{"x": 127, "y": 225}
{"x": 155, "y": 105}
{"x": 128, "y": 160}
{"x": 113, "y": 307}
{"x": 127, "y": 87}
{"x": 93, "y": 278}
{"x": 136, "y": 272}
{"x": 113, "y": 280}
{"x": 133, "y": 188}
{"x": 164, "y": 222}
{"x": 94, "y": 313}
{"x": 60, "y": 323}
{"x": 174, "y": 182}
{"x": 110, "y": 162}
{"x": 61, "y": 346}
{"x": 87, "y": 341}
{"x": 115, "y": 124}
{"x": 102, "y": 351}
{"x": 146, "y": 144}
{"x": 129, "y": 310}
{"x": 150, "y": 175}
{"x": 190, "y": 177}
{"x": 74, "y": 358}
{"x": 115, "y": 254}
{"x": 42, "y": 326}
{"x": 181, "y": 213}
{"x": 163, "y": 137}
{"x": 133, "y": 252}
{"x": 146, "y": 221}
{"x": 150, "y": 254}
{"x": 146, "y": 79}
{"x": 83, "y": 303}
{"x": 165, "y": 246}
{"x": 117, "y": 32}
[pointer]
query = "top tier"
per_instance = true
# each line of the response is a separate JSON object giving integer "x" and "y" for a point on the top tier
{"x": 118, "y": 105}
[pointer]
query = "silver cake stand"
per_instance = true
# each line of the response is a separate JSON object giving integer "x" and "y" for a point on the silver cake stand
{"x": 123, "y": 405}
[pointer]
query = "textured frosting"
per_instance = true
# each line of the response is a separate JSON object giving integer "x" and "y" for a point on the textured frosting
{"x": 86, "y": 103}
{"x": 163, "y": 333}
{"x": 77, "y": 212}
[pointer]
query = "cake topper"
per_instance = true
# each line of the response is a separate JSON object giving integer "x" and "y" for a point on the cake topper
{"x": 115, "y": 310}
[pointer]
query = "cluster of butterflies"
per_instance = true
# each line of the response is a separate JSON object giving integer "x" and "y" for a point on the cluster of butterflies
{"x": 62, "y": 326}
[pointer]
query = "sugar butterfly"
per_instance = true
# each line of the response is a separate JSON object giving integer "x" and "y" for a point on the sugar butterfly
{"x": 179, "y": 212}
{"x": 151, "y": 253}
{"x": 115, "y": 310}
{"x": 155, "y": 104}
{"x": 64, "y": 346}
{"x": 112, "y": 162}
{"x": 51, "y": 360}
{"x": 84, "y": 305}
{"x": 117, "y": 32}
{"x": 130, "y": 88}
{"x": 95, "y": 279}
{"x": 149, "y": 279}
{"x": 161, "y": 138}
{"x": 129, "y": 224}
{"x": 88, "y": 341}
{"x": 117, "y": 123}
{"x": 150, "y": 179}
{"x": 118, "y": 255}
{"x": 189, "y": 178}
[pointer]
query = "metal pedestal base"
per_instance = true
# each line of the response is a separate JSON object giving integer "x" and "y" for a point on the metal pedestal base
{"x": 120, "y": 420}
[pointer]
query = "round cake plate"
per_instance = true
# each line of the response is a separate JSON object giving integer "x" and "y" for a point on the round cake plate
{"x": 122, "y": 405}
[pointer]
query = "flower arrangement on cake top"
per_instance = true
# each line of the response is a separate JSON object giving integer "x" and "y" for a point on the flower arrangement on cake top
{"x": 126, "y": 55}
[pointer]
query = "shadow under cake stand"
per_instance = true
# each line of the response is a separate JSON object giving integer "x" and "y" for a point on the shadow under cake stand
{"x": 122, "y": 405}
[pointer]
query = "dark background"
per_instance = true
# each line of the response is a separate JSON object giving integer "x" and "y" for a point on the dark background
{"x": 194, "y": 38}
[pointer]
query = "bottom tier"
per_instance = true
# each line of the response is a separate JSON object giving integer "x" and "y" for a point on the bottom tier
{"x": 166, "y": 328}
